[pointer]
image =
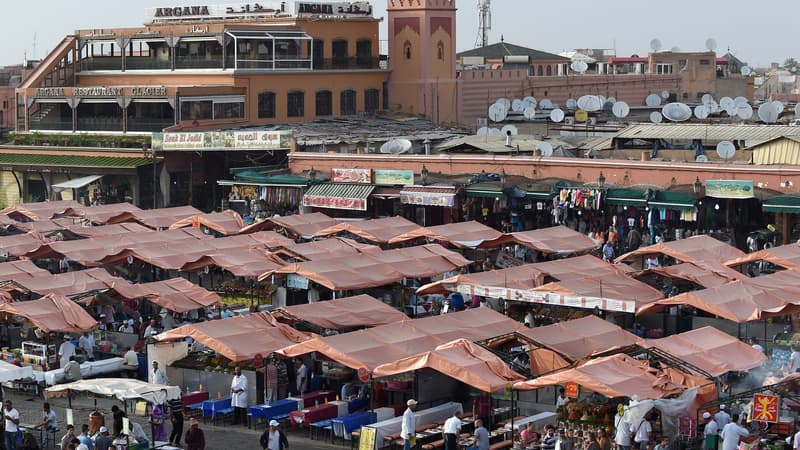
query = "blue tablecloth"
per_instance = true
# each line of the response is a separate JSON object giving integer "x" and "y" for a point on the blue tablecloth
{"x": 357, "y": 404}
{"x": 343, "y": 426}
{"x": 274, "y": 409}
{"x": 211, "y": 407}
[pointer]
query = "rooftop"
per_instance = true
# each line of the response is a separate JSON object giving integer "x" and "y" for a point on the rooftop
{"x": 501, "y": 49}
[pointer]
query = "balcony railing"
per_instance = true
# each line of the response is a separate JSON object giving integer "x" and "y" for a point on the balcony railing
{"x": 152, "y": 125}
{"x": 99, "y": 124}
{"x": 112, "y": 63}
{"x": 50, "y": 124}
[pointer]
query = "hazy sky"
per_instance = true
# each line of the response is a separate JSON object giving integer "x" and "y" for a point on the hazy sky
{"x": 755, "y": 32}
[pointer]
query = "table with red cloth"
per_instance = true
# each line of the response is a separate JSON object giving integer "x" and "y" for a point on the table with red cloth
{"x": 314, "y": 398}
{"x": 193, "y": 398}
{"x": 314, "y": 414}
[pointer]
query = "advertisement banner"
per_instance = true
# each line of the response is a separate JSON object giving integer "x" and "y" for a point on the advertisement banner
{"x": 223, "y": 140}
{"x": 571, "y": 389}
{"x": 183, "y": 141}
{"x": 340, "y": 9}
{"x": 358, "y": 204}
{"x": 765, "y": 408}
{"x": 394, "y": 177}
{"x": 294, "y": 281}
{"x": 428, "y": 199}
{"x": 729, "y": 188}
{"x": 351, "y": 175}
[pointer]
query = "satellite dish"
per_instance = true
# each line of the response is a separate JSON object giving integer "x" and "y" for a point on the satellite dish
{"x": 726, "y": 103}
{"x": 556, "y": 115}
{"x": 707, "y": 98}
{"x": 778, "y": 106}
{"x": 655, "y": 45}
{"x": 482, "y": 131}
{"x": 711, "y": 44}
{"x": 497, "y": 112}
{"x": 545, "y": 148}
{"x": 665, "y": 94}
{"x": 517, "y": 105}
{"x": 675, "y": 49}
{"x": 572, "y": 103}
{"x": 529, "y": 112}
{"x": 726, "y": 149}
{"x": 701, "y": 159}
{"x": 701, "y": 112}
{"x": 505, "y": 102}
{"x": 545, "y": 104}
{"x": 746, "y": 71}
{"x": 494, "y": 131}
{"x": 676, "y": 112}
{"x": 579, "y": 66}
{"x": 509, "y": 130}
{"x": 744, "y": 111}
{"x": 621, "y": 109}
{"x": 740, "y": 101}
{"x": 712, "y": 107}
{"x": 529, "y": 101}
{"x": 581, "y": 115}
{"x": 653, "y": 100}
{"x": 396, "y": 146}
{"x": 768, "y": 113}
{"x": 655, "y": 117}
{"x": 611, "y": 100}
{"x": 590, "y": 103}
{"x": 732, "y": 111}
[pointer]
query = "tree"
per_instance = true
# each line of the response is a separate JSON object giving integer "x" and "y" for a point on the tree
{"x": 790, "y": 63}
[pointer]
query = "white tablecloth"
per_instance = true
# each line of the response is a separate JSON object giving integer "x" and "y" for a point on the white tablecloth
{"x": 539, "y": 420}
{"x": 424, "y": 417}
{"x": 384, "y": 414}
{"x": 342, "y": 407}
{"x": 88, "y": 370}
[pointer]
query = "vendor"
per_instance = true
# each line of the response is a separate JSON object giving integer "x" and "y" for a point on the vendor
{"x": 348, "y": 390}
{"x": 86, "y": 344}
{"x": 130, "y": 363}
{"x": 65, "y": 351}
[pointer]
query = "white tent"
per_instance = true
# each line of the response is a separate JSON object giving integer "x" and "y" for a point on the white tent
{"x": 120, "y": 388}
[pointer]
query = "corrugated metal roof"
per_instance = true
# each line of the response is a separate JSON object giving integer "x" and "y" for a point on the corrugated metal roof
{"x": 340, "y": 190}
{"x": 783, "y": 150}
{"x": 686, "y": 131}
{"x": 54, "y": 160}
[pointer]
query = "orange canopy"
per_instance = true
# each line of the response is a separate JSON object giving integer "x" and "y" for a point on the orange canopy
{"x": 559, "y": 240}
{"x": 613, "y": 376}
{"x": 239, "y": 338}
{"x": 378, "y": 231}
{"x": 42, "y": 210}
{"x": 156, "y": 218}
{"x": 21, "y": 269}
{"x": 228, "y": 222}
{"x": 711, "y": 350}
{"x": 101, "y": 213}
{"x": 97, "y": 231}
{"x": 52, "y": 312}
{"x": 461, "y": 360}
{"x": 342, "y": 313}
{"x": 758, "y": 298}
{"x": 695, "y": 248}
{"x": 704, "y": 273}
{"x": 326, "y": 249}
{"x": 471, "y": 234}
{"x": 176, "y": 294}
{"x": 20, "y": 244}
{"x": 786, "y": 256}
{"x": 372, "y": 347}
{"x": 581, "y": 338}
{"x": 67, "y": 283}
{"x": 248, "y": 264}
{"x": 303, "y": 225}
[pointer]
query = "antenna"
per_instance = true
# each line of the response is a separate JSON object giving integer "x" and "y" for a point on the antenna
{"x": 484, "y": 22}
{"x": 676, "y": 112}
{"x": 746, "y": 71}
{"x": 509, "y": 130}
{"x": 701, "y": 112}
{"x": 744, "y": 111}
{"x": 497, "y": 112}
{"x": 590, "y": 103}
{"x": 572, "y": 103}
{"x": 726, "y": 149}
{"x": 655, "y": 45}
{"x": 545, "y": 104}
{"x": 557, "y": 115}
{"x": 517, "y": 105}
{"x": 579, "y": 66}
{"x": 711, "y": 44}
{"x": 545, "y": 148}
{"x": 529, "y": 112}
{"x": 396, "y": 146}
{"x": 34, "y": 46}
{"x": 768, "y": 112}
{"x": 655, "y": 117}
{"x": 620, "y": 110}
{"x": 653, "y": 100}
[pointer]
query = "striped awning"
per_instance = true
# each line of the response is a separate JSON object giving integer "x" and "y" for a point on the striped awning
{"x": 338, "y": 196}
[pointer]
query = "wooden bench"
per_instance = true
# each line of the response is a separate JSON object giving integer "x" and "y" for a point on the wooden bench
{"x": 440, "y": 443}
{"x": 501, "y": 445}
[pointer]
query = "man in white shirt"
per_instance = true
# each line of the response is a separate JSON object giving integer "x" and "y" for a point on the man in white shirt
{"x": 722, "y": 417}
{"x": 126, "y": 327}
{"x": 710, "y": 432}
{"x": 65, "y": 351}
{"x": 622, "y": 436}
{"x": 796, "y": 442}
{"x": 167, "y": 321}
{"x": 452, "y": 427}
{"x": 11, "y": 416}
{"x": 642, "y": 432}
{"x": 157, "y": 376}
{"x": 239, "y": 397}
{"x": 85, "y": 344}
{"x": 794, "y": 360}
{"x": 302, "y": 376}
{"x": 731, "y": 433}
{"x": 756, "y": 345}
{"x": 408, "y": 427}
{"x": 130, "y": 363}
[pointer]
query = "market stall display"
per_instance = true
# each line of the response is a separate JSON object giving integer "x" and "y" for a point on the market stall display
{"x": 52, "y": 313}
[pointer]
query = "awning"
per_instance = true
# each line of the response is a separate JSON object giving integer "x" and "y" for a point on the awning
{"x": 786, "y": 256}
{"x": 558, "y": 239}
{"x": 227, "y": 223}
{"x": 176, "y": 294}
{"x": 580, "y": 338}
{"x": 470, "y": 234}
{"x": 50, "y": 159}
{"x": 678, "y": 201}
{"x": 338, "y": 196}
{"x": 428, "y": 196}
{"x": 343, "y": 313}
{"x": 76, "y": 183}
{"x": 484, "y": 190}
{"x": 52, "y": 313}
{"x": 379, "y": 231}
{"x": 696, "y": 248}
{"x": 626, "y": 197}
{"x": 120, "y": 388}
{"x": 303, "y": 225}
{"x": 782, "y": 204}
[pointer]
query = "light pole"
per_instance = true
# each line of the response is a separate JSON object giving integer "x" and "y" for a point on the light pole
{"x": 152, "y": 154}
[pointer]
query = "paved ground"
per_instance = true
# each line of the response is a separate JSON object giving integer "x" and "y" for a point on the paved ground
{"x": 221, "y": 437}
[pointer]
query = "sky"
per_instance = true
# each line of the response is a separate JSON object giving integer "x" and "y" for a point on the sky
{"x": 757, "y": 33}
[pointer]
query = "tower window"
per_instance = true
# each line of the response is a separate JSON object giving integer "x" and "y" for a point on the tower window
{"x": 440, "y": 51}
{"x": 407, "y": 50}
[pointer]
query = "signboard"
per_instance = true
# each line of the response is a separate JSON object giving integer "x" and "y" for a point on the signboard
{"x": 223, "y": 140}
{"x": 367, "y": 439}
{"x": 572, "y": 389}
{"x": 101, "y": 91}
{"x": 294, "y": 281}
{"x": 729, "y": 188}
{"x": 333, "y": 10}
{"x": 765, "y": 408}
{"x": 358, "y": 204}
{"x": 394, "y": 177}
{"x": 258, "y": 360}
{"x": 447, "y": 200}
{"x": 363, "y": 374}
{"x": 230, "y": 11}
{"x": 351, "y": 175}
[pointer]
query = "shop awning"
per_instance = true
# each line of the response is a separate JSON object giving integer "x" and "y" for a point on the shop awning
{"x": 156, "y": 218}
{"x": 613, "y": 376}
{"x": 701, "y": 273}
{"x": 52, "y": 313}
{"x": 122, "y": 389}
{"x": 461, "y": 360}
{"x": 789, "y": 204}
{"x": 471, "y": 234}
{"x": 42, "y": 210}
{"x": 176, "y": 294}
{"x": 239, "y": 338}
{"x": 75, "y": 183}
{"x": 343, "y": 313}
{"x": 751, "y": 299}
{"x": 378, "y": 231}
{"x": 97, "y": 160}
{"x": 786, "y": 256}
{"x": 247, "y": 264}
{"x": 484, "y": 190}
{"x": 227, "y": 223}
{"x": 326, "y": 249}
{"x": 558, "y": 239}
{"x": 428, "y": 196}
{"x": 21, "y": 269}
{"x": 696, "y": 248}
{"x": 116, "y": 229}
{"x": 626, "y": 197}
{"x": 711, "y": 350}
{"x": 580, "y": 338}
{"x": 678, "y": 201}
{"x": 101, "y": 213}
{"x": 20, "y": 244}
{"x": 303, "y": 225}
{"x": 67, "y": 283}
{"x": 338, "y": 196}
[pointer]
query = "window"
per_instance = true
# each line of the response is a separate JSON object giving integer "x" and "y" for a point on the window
{"x": 266, "y": 105}
{"x": 663, "y": 68}
{"x": 317, "y": 52}
{"x": 324, "y": 103}
{"x": 339, "y": 55}
{"x": 705, "y": 62}
{"x": 348, "y": 103}
{"x": 364, "y": 52}
{"x": 540, "y": 71}
{"x": 371, "y": 100}
{"x": 213, "y": 107}
{"x": 197, "y": 110}
{"x": 440, "y": 51}
{"x": 407, "y": 50}
{"x": 685, "y": 96}
{"x": 549, "y": 71}
{"x": 295, "y": 104}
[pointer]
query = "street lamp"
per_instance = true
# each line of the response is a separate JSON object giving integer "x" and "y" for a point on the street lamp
{"x": 424, "y": 173}
{"x": 312, "y": 174}
{"x": 601, "y": 180}
{"x": 697, "y": 185}
{"x": 152, "y": 154}
{"x": 503, "y": 178}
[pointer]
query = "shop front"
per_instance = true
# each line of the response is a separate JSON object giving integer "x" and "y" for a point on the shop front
{"x": 431, "y": 205}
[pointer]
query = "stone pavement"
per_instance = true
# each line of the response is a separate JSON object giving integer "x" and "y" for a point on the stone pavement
{"x": 219, "y": 437}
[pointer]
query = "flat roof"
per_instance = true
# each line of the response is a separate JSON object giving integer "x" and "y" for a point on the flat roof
{"x": 686, "y": 131}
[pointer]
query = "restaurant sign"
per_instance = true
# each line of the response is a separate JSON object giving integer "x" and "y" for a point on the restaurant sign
{"x": 223, "y": 140}
{"x": 344, "y": 9}
{"x": 351, "y": 175}
{"x": 195, "y": 12}
{"x": 571, "y": 389}
{"x": 394, "y": 177}
{"x": 765, "y": 408}
{"x": 101, "y": 91}
{"x": 729, "y": 188}
{"x": 415, "y": 197}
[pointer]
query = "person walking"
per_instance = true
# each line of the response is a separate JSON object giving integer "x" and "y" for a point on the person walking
{"x": 732, "y": 433}
{"x": 408, "y": 427}
{"x": 176, "y": 419}
{"x": 481, "y": 435}
{"x": 157, "y": 376}
{"x": 239, "y": 397}
{"x": 194, "y": 439}
{"x": 11, "y": 417}
{"x": 273, "y": 438}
